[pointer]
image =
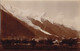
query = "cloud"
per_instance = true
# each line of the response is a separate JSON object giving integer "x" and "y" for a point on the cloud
{"x": 77, "y": 23}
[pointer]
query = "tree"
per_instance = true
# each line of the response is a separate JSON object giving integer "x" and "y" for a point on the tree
{"x": 33, "y": 42}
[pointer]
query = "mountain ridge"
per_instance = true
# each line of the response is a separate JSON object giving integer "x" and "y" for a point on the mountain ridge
{"x": 54, "y": 29}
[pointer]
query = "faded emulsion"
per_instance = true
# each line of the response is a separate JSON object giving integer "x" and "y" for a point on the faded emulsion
{"x": 20, "y": 30}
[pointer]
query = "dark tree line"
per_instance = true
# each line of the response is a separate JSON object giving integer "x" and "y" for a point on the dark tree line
{"x": 33, "y": 42}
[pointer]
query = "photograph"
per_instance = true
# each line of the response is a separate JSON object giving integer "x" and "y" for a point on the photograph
{"x": 39, "y": 25}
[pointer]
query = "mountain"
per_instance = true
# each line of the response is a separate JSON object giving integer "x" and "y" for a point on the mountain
{"x": 55, "y": 29}
{"x": 15, "y": 27}
{"x": 15, "y": 24}
{"x": 10, "y": 25}
{"x": 79, "y": 33}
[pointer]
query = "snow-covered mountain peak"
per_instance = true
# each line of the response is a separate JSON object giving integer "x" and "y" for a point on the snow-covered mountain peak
{"x": 22, "y": 15}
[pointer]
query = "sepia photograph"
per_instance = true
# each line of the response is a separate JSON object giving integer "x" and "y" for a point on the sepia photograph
{"x": 39, "y": 25}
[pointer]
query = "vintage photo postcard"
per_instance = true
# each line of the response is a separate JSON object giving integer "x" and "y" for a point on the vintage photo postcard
{"x": 39, "y": 25}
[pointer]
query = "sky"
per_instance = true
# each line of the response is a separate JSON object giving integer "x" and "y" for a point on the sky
{"x": 61, "y": 12}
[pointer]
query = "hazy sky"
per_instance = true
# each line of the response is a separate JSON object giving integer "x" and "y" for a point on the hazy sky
{"x": 62, "y": 12}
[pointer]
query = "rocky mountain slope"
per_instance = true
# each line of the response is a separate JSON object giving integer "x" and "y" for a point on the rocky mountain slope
{"x": 15, "y": 27}
{"x": 13, "y": 22}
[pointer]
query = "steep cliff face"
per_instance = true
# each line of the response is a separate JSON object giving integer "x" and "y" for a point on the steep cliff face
{"x": 12, "y": 26}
